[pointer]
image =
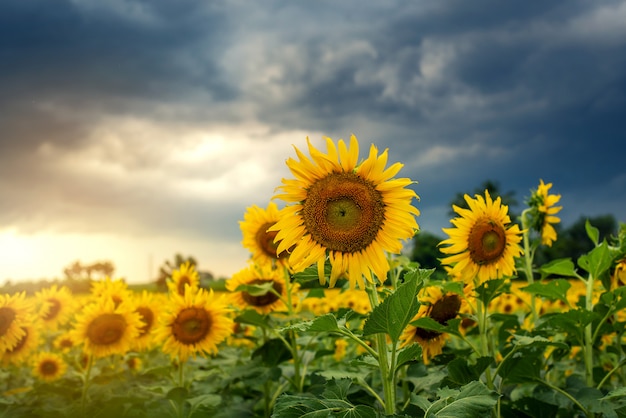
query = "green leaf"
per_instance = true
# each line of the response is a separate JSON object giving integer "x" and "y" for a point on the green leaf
{"x": 536, "y": 341}
{"x": 252, "y": 317}
{"x": 273, "y": 352}
{"x": 474, "y": 400}
{"x": 571, "y": 322}
{"x": 597, "y": 261}
{"x": 430, "y": 324}
{"x": 555, "y": 289}
{"x": 332, "y": 403}
{"x": 559, "y": 267}
{"x": 411, "y": 353}
{"x": 397, "y": 310}
{"x": 521, "y": 368}
{"x": 177, "y": 394}
{"x": 310, "y": 274}
{"x": 490, "y": 289}
{"x": 255, "y": 289}
{"x": 461, "y": 373}
{"x": 592, "y": 232}
{"x": 324, "y": 323}
{"x": 210, "y": 400}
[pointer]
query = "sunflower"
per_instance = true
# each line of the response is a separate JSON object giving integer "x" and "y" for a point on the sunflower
{"x": 15, "y": 312}
{"x": 618, "y": 278}
{"x": 54, "y": 306}
{"x": 185, "y": 276}
{"x": 64, "y": 342}
{"x": 262, "y": 302}
{"x": 106, "y": 329}
{"x": 440, "y": 307}
{"x": 147, "y": 307}
{"x": 256, "y": 237}
{"x": 194, "y": 323}
{"x": 483, "y": 244}
{"x": 116, "y": 290}
{"x": 352, "y": 213}
{"x": 49, "y": 366}
{"x": 543, "y": 211}
{"x": 27, "y": 343}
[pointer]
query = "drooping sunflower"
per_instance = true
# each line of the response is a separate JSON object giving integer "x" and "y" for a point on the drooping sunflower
{"x": 543, "y": 210}
{"x": 351, "y": 213}
{"x": 618, "y": 278}
{"x": 28, "y": 342}
{"x": 54, "y": 306}
{"x": 194, "y": 323}
{"x": 442, "y": 307}
{"x": 256, "y": 237}
{"x": 105, "y": 329}
{"x": 482, "y": 243}
{"x": 259, "y": 275}
{"x": 49, "y": 366}
{"x": 147, "y": 307}
{"x": 15, "y": 312}
{"x": 183, "y": 277}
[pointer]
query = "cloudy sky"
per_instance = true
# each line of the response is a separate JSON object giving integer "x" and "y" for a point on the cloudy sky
{"x": 132, "y": 130}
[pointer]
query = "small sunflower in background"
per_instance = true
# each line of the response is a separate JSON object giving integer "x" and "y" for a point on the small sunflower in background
{"x": 193, "y": 324}
{"x": 15, "y": 312}
{"x": 105, "y": 329}
{"x": 184, "y": 277}
{"x": 116, "y": 290}
{"x": 64, "y": 342}
{"x": 147, "y": 307}
{"x": 54, "y": 305}
{"x": 441, "y": 307}
{"x": 349, "y": 212}
{"x": 49, "y": 366}
{"x": 256, "y": 237}
{"x": 542, "y": 211}
{"x": 483, "y": 243}
{"x": 618, "y": 278}
{"x": 258, "y": 275}
{"x": 25, "y": 346}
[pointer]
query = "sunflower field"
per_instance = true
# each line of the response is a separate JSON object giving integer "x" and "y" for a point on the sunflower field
{"x": 329, "y": 319}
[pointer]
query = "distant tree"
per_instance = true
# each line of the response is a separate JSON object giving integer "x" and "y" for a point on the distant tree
{"x": 165, "y": 271}
{"x": 493, "y": 187}
{"x": 426, "y": 251}
{"x": 77, "y": 270}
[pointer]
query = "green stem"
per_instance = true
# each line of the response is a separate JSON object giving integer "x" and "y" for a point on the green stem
{"x": 528, "y": 262}
{"x": 610, "y": 373}
{"x": 567, "y": 395}
{"x": 86, "y": 382}
{"x": 386, "y": 373}
{"x": 481, "y": 316}
{"x": 588, "y": 334}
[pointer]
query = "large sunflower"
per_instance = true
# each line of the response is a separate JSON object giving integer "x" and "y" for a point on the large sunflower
{"x": 49, "y": 366}
{"x": 184, "y": 277}
{"x": 542, "y": 207}
{"x": 54, "y": 306}
{"x": 440, "y": 307}
{"x": 259, "y": 275}
{"x": 257, "y": 239}
{"x": 194, "y": 323}
{"x": 483, "y": 244}
{"x": 15, "y": 311}
{"x": 353, "y": 213}
{"x": 105, "y": 328}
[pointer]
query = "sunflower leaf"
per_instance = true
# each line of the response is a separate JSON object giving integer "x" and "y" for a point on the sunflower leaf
{"x": 554, "y": 289}
{"x": 397, "y": 310}
{"x": 408, "y": 354}
{"x": 490, "y": 289}
{"x": 473, "y": 400}
{"x": 596, "y": 261}
{"x": 324, "y": 323}
{"x": 560, "y": 267}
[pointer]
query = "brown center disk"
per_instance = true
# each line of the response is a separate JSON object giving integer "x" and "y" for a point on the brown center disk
{"x": 487, "y": 241}
{"x": 106, "y": 329}
{"x": 343, "y": 212}
{"x": 191, "y": 325}
{"x": 262, "y": 300}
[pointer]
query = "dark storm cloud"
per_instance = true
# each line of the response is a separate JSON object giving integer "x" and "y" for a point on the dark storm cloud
{"x": 460, "y": 92}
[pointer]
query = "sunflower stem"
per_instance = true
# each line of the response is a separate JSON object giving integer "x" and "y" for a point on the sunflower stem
{"x": 528, "y": 262}
{"x": 293, "y": 344}
{"x": 588, "y": 349}
{"x": 86, "y": 381}
{"x": 482, "y": 316}
{"x": 387, "y": 374}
